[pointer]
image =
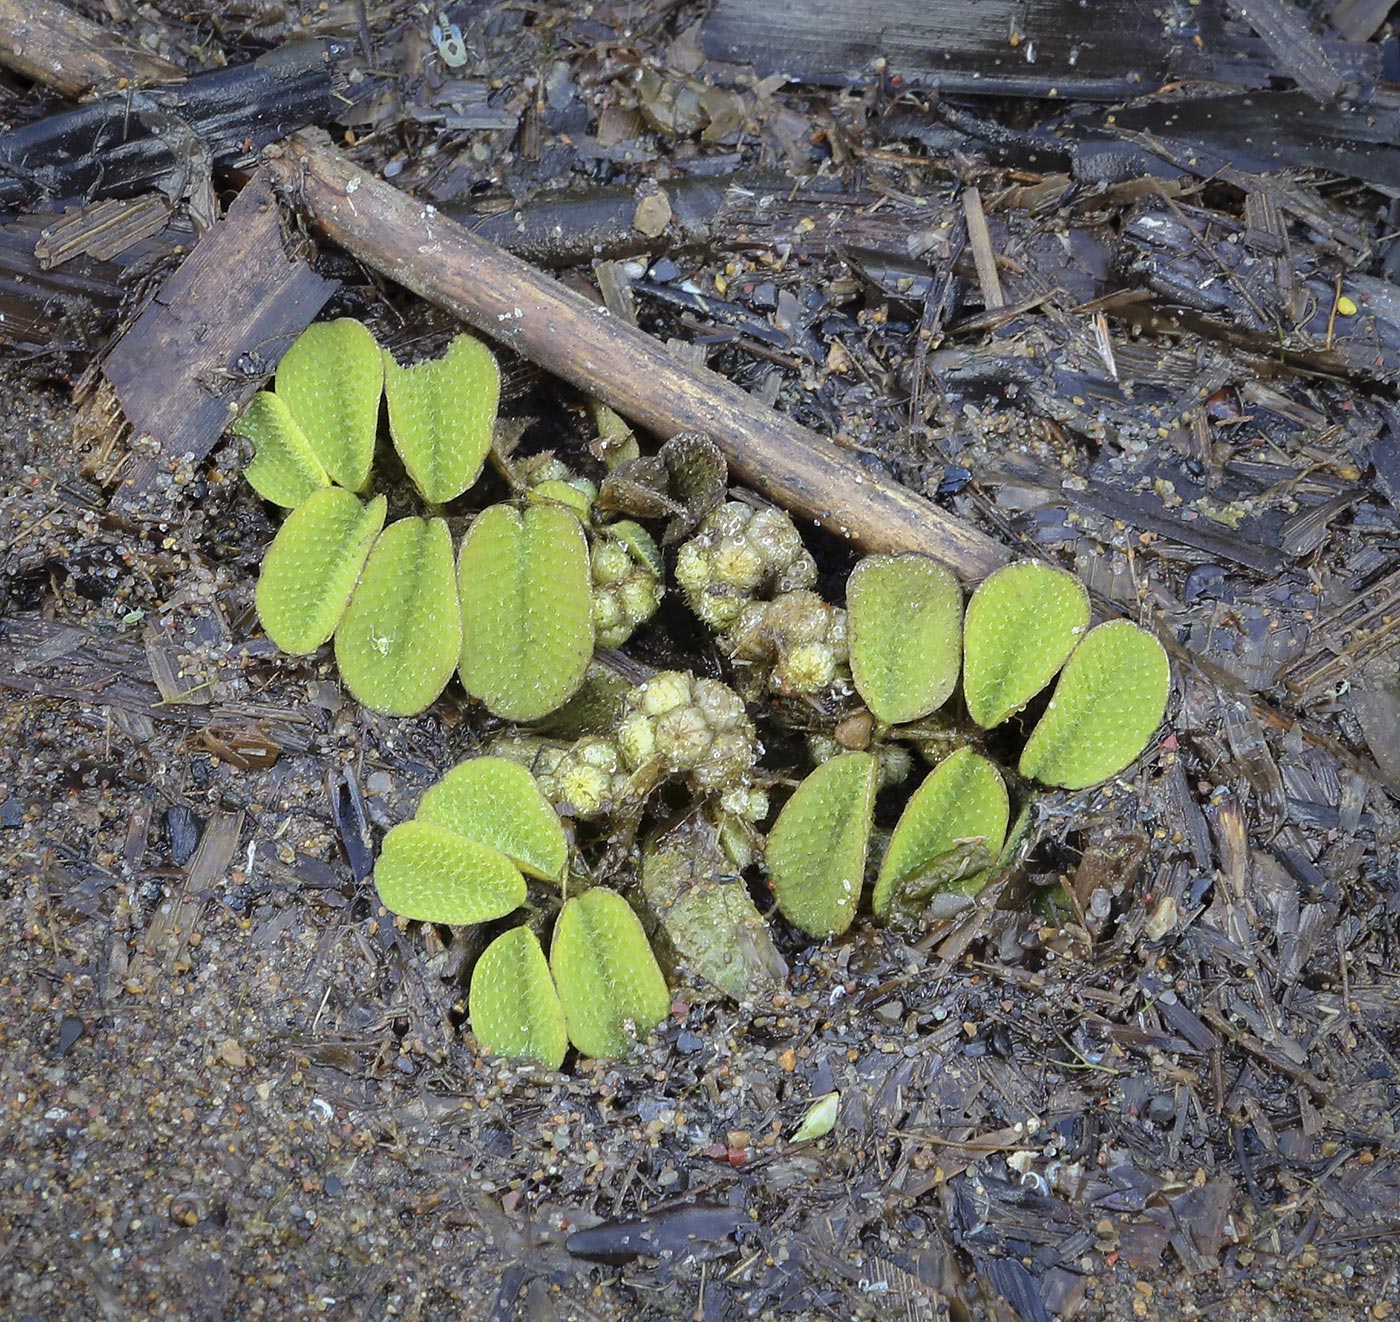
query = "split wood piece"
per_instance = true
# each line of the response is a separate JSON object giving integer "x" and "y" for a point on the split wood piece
{"x": 1288, "y": 33}
{"x": 62, "y": 50}
{"x": 197, "y": 354}
{"x": 979, "y": 239}
{"x": 629, "y": 371}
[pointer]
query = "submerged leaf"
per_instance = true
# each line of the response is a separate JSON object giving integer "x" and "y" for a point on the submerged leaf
{"x": 398, "y": 643}
{"x": 331, "y": 380}
{"x": 515, "y": 1010}
{"x": 284, "y": 468}
{"x": 1109, "y": 700}
{"x": 606, "y": 974}
{"x": 963, "y": 798}
{"x": 310, "y": 569}
{"x": 905, "y": 614}
{"x": 1022, "y": 623}
{"x": 817, "y": 847}
{"x": 430, "y": 873}
{"x": 527, "y": 609}
{"x": 496, "y": 802}
{"x": 441, "y": 413}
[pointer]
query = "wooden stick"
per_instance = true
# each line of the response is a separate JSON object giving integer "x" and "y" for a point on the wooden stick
{"x": 537, "y": 317}
{"x": 51, "y": 44}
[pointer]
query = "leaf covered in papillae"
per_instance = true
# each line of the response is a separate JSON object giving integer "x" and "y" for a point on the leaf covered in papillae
{"x": 441, "y": 415}
{"x": 817, "y": 847}
{"x": 706, "y": 913}
{"x": 1021, "y": 624}
{"x": 284, "y": 468}
{"x": 332, "y": 379}
{"x": 427, "y": 872}
{"x": 1109, "y": 700}
{"x": 514, "y": 1008}
{"x": 905, "y": 615}
{"x": 962, "y": 799}
{"x": 311, "y": 567}
{"x": 527, "y": 609}
{"x": 496, "y": 802}
{"x": 398, "y": 643}
{"x": 608, "y": 980}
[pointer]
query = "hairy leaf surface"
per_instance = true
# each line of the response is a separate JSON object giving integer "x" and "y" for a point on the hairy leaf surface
{"x": 1022, "y": 622}
{"x": 496, "y": 802}
{"x": 331, "y": 380}
{"x": 441, "y": 414}
{"x": 398, "y": 643}
{"x": 430, "y": 873}
{"x": 514, "y": 1008}
{"x": 817, "y": 847}
{"x": 284, "y": 468}
{"x": 606, "y": 974}
{"x": 527, "y": 609}
{"x": 963, "y": 798}
{"x": 906, "y": 634}
{"x": 1110, "y": 698}
{"x": 311, "y": 567}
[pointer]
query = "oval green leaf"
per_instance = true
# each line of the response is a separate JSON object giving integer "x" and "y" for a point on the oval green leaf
{"x": 496, "y": 802}
{"x": 1108, "y": 702}
{"x": 435, "y": 875}
{"x": 331, "y": 380}
{"x": 609, "y": 982}
{"x": 515, "y": 1010}
{"x": 441, "y": 415}
{"x": 905, "y": 618}
{"x": 527, "y": 609}
{"x": 311, "y": 567}
{"x": 817, "y": 847}
{"x": 398, "y": 643}
{"x": 1022, "y": 622}
{"x": 962, "y": 799}
{"x": 284, "y": 468}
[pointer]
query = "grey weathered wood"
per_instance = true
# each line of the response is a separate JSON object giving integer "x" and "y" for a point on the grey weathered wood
{"x": 51, "y": 44}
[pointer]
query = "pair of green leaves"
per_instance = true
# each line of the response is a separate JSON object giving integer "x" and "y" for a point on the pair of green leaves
{"x": 318, "y": 426}
{"x": 908, "y": 639}
{"x": 818, "y": 848}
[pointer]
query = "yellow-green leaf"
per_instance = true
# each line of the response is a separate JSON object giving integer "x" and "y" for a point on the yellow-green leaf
{"x": 906, "y": 634}
{"x": 527, "y": 609}
{"x": 609, "y": 982}
{"x": 430, "y": 873}
{"x": 331, "y": 380}
{"x": 284, "y": 468}
{"x": 816, "y": 849}
{"x": 310, "y": 569}
{"x": 398, "y": 642}
{"x": 441, "y": 415}
{"x": 496, "y": 802}
{"x": 515, "y": 1010}
{"x": 1022, "y": 622}
{"x": 820, "y": 1119}
{"x": 963, "y": 798}
{"x": 1110, "y": 698}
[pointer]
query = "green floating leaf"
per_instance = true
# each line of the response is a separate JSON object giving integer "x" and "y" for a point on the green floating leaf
{"x": 1109, "y": 700}
{"x": 430, "y": 873}
{"x": 906, "y": 634}
{"x": 515, "y": 1010}
{"x": 1022, "y": 622}
{"x": 817, "y": 847}
{"x": 707, "y": 915}
{"x": 441, "y": 415}
{"x": 311, "y": 567}
{"x": 527, "y": 609}
{"x": 331, "y": 380}
{"x": 496, "y": 802}
{"x": 284, "y": 468}
{"x": 606, "y": 974}
{"x": 963, "y": 798}
{"x": 398, "y": 643}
